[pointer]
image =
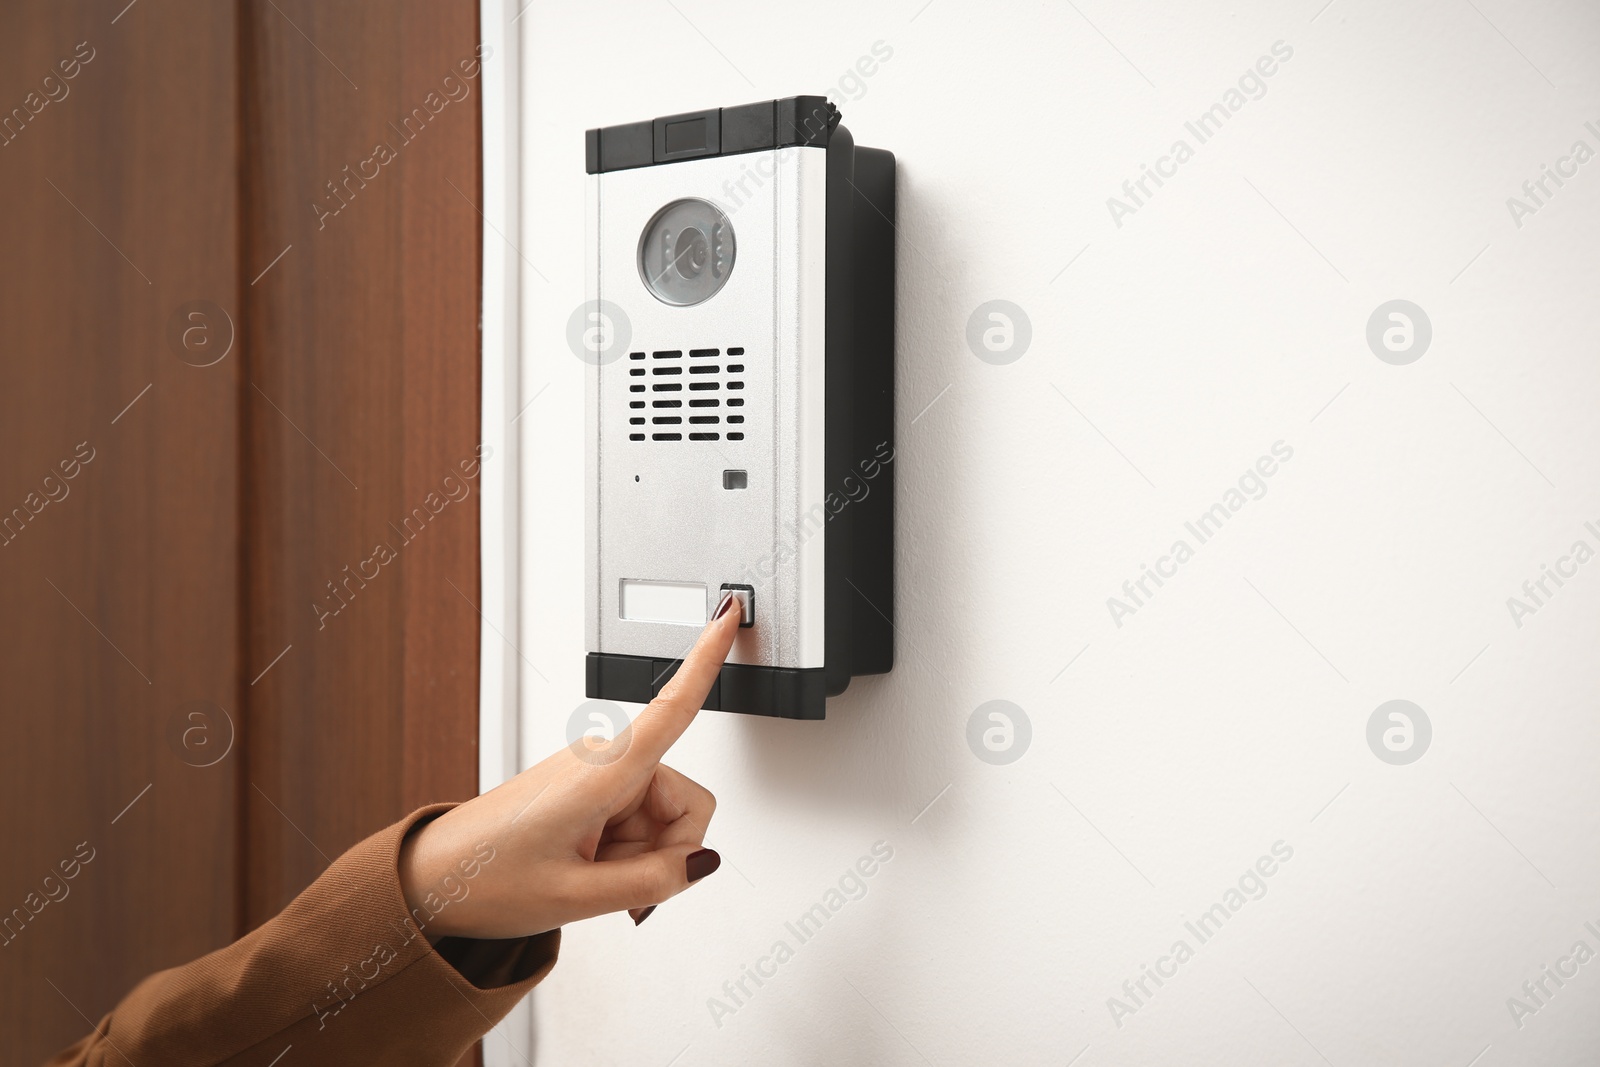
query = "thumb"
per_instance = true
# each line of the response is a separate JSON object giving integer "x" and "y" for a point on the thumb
{"x": 644, "y": 880}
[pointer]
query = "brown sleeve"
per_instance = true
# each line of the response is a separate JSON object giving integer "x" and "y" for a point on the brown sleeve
{"x": 341, "y": 975}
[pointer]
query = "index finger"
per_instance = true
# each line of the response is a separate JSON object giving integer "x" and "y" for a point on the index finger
{"x": 666, "y": 717}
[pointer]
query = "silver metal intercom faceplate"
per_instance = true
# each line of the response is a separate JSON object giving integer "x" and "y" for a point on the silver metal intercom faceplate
{"x": 735, "y": 383}
{"x": 740, "y": 408}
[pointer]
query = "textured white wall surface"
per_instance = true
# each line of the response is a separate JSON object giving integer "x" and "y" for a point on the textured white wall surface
{"x": 1387, "y": 504}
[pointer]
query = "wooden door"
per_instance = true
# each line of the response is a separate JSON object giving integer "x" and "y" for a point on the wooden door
{"x": 223, "y": 383}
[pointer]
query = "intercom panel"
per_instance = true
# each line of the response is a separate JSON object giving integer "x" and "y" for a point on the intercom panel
{"x": 740, "y": 417}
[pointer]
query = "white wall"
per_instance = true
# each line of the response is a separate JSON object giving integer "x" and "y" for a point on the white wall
{"x": 1228, "y": 713}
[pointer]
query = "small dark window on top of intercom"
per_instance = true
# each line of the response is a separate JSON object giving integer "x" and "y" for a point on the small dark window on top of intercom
{"x": 735, "y": 479}
{"x": 687, "y": 136}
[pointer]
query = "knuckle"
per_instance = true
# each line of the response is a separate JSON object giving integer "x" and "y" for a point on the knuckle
{"x": 655, "y": 884}
{"x": 666, "y": 703}
{"x": 699, "y": 794}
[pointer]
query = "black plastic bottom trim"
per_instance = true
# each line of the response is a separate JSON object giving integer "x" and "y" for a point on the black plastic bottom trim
{"x": 781, "y": 692}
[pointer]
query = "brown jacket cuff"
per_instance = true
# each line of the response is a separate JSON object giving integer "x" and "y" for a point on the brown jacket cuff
{"x": 344, "y": 974}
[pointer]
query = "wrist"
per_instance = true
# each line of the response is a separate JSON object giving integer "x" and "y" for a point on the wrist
{"x": 421, "y": 877}
{"x": 439, "y": 870}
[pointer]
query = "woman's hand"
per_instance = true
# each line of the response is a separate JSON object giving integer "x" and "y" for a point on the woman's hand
{"x": 592, "y": 829}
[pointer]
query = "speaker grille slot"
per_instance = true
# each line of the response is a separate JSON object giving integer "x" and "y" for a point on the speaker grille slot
{"x": 664, "y": 372}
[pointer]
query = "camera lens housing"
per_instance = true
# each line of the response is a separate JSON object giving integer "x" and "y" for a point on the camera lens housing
{"x": 686, "y": 252}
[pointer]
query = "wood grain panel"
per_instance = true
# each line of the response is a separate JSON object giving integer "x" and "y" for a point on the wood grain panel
{"x": 363, "y": 162}
{"x": 119, "y": 598}
{"x": 287, "y": 533}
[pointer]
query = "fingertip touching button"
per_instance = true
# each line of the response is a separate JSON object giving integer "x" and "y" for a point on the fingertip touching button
{"x": 746, "y": 595}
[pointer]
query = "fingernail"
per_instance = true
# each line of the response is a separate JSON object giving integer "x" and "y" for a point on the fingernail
{"x": 643, "y": 915}
{"x": 699, "y": 864}
{"x": 722, "y": 605}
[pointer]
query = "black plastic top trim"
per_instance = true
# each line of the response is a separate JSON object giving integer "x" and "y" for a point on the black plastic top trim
{"x": 726, "y": 131}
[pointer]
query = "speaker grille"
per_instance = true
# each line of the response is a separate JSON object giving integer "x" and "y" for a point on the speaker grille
{"x": 693, "y": 396}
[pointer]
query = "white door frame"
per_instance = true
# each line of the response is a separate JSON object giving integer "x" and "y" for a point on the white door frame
{"x": 509, "y": 1044}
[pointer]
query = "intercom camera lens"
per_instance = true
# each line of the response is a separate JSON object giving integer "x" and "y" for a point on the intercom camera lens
{"x": 689, "y": 257}
{"x": 686, "y": 252}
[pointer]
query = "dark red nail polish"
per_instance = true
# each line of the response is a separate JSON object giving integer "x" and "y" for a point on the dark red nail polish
{"x": 722, "y": 605}
{"x": 643, "y": 915}
{"x": 699, "y": 864}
